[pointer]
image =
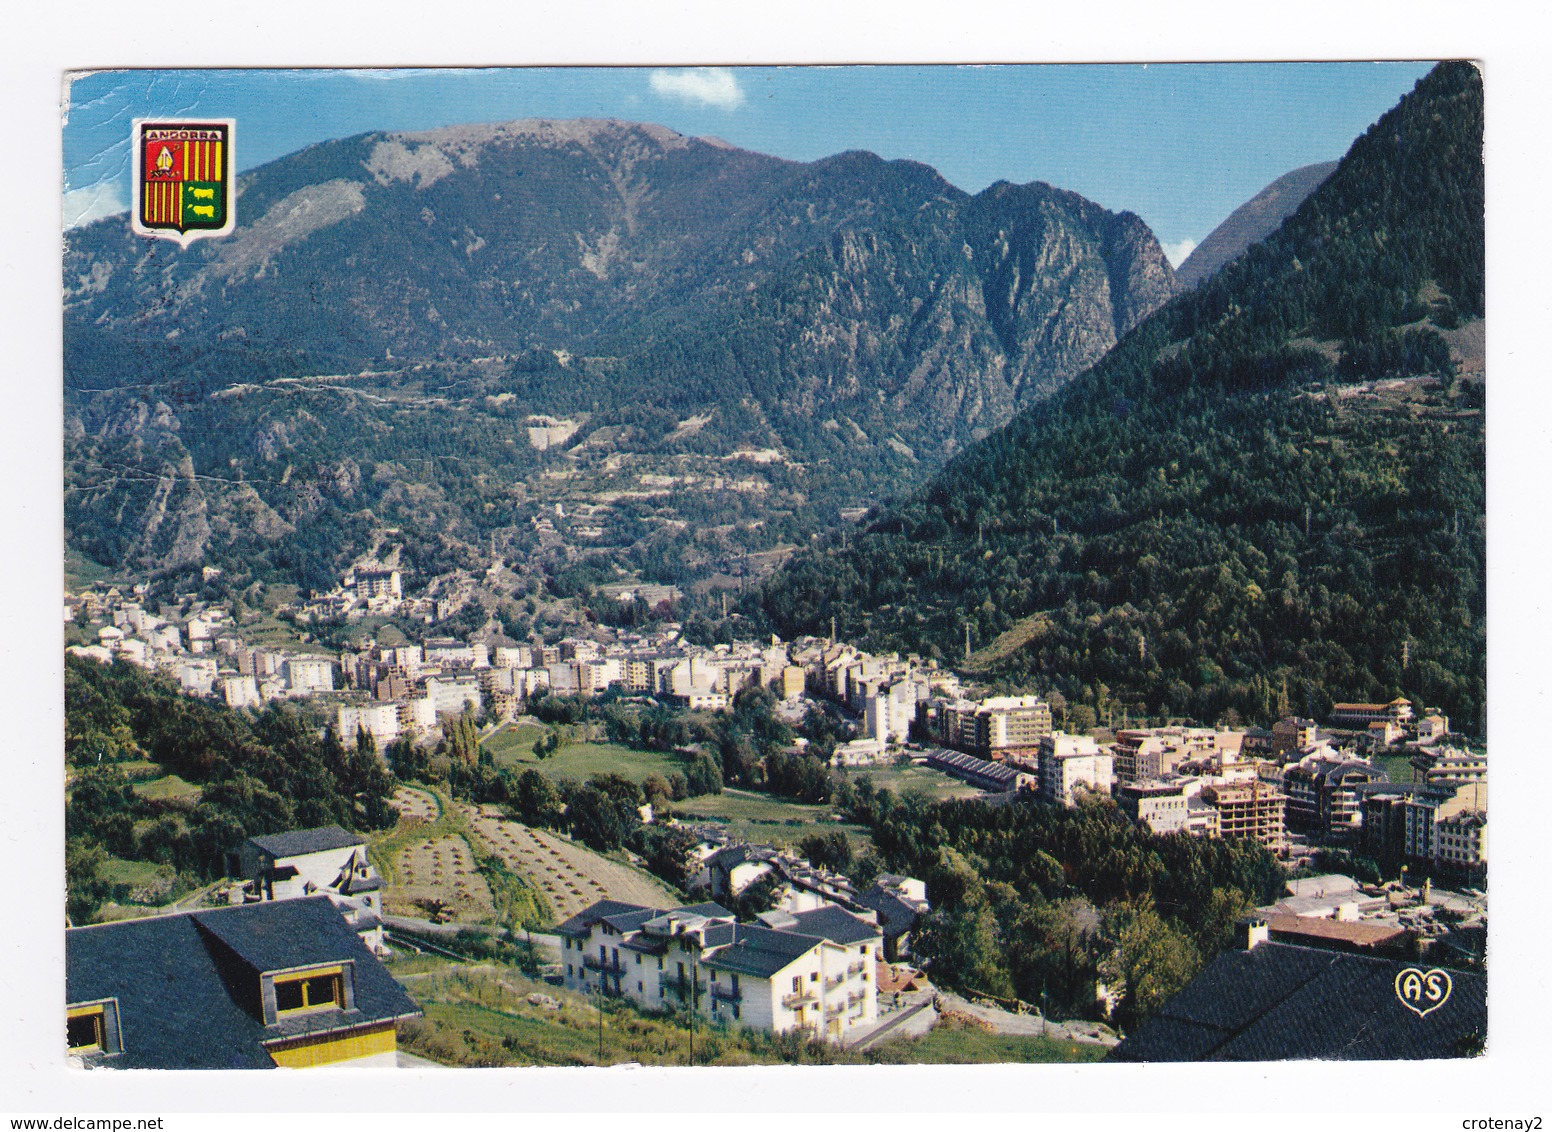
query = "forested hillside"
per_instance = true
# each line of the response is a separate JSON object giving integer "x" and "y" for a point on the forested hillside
{"x": 1276, "y": 481}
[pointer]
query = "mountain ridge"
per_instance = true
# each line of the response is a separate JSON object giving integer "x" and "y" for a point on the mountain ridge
{"x": 863, "y": 317}
{"x": 1252, "y": 221}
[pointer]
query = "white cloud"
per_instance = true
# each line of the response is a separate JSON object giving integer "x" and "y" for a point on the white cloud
{"x": 708, "y": 86}
{"x": 1178, "y": 252}
{"x": 93, "y": 202}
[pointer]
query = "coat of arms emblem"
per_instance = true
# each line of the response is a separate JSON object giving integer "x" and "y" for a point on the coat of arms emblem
{"x": 183, "y": 178}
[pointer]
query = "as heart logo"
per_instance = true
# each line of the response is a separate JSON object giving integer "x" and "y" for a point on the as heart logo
{"x": 1423, "y": 992}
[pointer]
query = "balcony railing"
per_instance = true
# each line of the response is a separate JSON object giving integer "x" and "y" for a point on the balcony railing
{"x": 834, "y": 1009}
{"x": 592, "y": 962}
{"x": 854, "y": 997}
{"x": 724, "y": 993}
{"x": 797, "y": 998}
{"x": 680, "y": 987}
{"x": 834, "y": 981}
{"x": 856, "y": 968}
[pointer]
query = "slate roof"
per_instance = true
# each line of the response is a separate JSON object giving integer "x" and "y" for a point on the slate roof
{"x": 734, "y": 855}
{"x": 583, "y": 921}
{"x": 298, "y": 842}
{"x": 757, "y": 951}
{"x": 623, "y": 922}
{"x": 895, "y": 916}
{"x": 646, "y": 944}
{"x": 709, "y": 908}
{"x": 836, "y": 925}
{"x": 187, "y": 985}
{"x": 623, "y": 917}
{"x": 1279, "y": 1002}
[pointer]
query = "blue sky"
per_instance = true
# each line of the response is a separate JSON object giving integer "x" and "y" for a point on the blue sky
{"x": 1182, "y": 145}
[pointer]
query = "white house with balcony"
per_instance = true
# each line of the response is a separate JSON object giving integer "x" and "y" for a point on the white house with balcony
{"x": 812, "y": 971}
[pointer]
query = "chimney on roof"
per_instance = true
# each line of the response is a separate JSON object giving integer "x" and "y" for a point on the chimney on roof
{"x": 1250, "y": 933}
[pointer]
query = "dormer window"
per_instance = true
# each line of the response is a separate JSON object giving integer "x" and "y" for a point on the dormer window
{"x": 93, "y": 1028}
{"x": 85, "y": 1029}
{"x": 323, "y": 989}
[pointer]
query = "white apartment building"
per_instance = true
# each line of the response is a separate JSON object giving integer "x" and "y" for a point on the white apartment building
{"x": 196, "y": 675}
{"x": 307, "y": 674}
{"x": 419, "y": 712}
{"x": 326, "y": 861}
{"x": 241, "y": 691}
{"x": 449, "y": 653}
{"x": 1460, "y": 840}
{"x": 513, "y": 656}
{"x": 889, "y": 712}
{"x": 812, "y": 971}
{"x": 1008, "y": 723}
{"x": 1070, "y": 762}
{"x": 1462, "y": 817}
{"x": 452, "y": 696}
{"x": 379, "y": 720}
{"x": 1162, "y": 807}
{"x": 379, "y": 584}
{"x": 595, "y": 675}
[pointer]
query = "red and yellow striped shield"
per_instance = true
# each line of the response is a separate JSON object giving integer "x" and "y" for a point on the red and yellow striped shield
{"x": 183, "y": 178}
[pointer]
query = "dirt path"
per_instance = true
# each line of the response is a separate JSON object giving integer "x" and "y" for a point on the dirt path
{"x": 1006, "y": 1022}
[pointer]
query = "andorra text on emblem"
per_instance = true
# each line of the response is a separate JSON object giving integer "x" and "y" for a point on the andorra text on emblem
{"x": 183, "y": 178}
{"x": 1423, "y": 992}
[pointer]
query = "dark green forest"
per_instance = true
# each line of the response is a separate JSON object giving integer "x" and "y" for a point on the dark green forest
{"x": 1221, "y": 519}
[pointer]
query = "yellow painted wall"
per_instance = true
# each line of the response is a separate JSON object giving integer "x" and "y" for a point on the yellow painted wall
{"x": 310, "y": 1052}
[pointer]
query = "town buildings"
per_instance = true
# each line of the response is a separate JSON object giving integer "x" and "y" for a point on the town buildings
{"x": 998, "y": 728}
{"x": 1162, "y": 807}
{"x": 1072, "y": 763}
{"x": 1358, "y": 715}
{"x": 801, "y": 887}
{"x": 1251, "y": 810}
{"x": 1447, "y": 827}
{"x": 1263, "y": 783}
{"x": 1323, "y": 792}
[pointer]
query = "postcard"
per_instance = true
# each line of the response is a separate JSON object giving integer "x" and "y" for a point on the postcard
{"x": 751, "y": 566}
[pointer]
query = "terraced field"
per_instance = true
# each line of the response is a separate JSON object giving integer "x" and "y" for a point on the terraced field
{"x": 415, "y": 805}
{"x": 571, "y": 876}
{"x": 440, "y": 870}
